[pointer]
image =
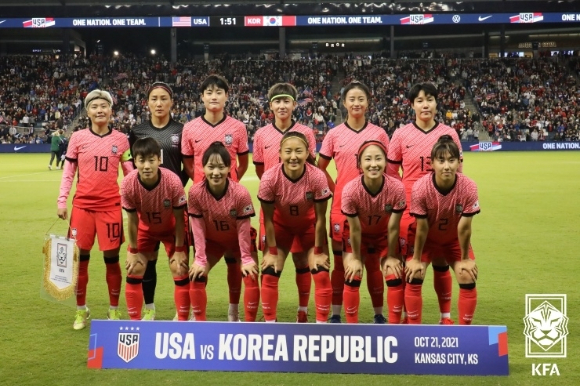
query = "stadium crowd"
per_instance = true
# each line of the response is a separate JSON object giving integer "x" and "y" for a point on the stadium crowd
{"x": 518, "y": 99}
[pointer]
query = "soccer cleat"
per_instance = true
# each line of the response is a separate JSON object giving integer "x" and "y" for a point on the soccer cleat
{"x": 380, "y": 319}
{"x": 446, "y": 321}
{"x": 113, "y": 314}
{"x": 58, "y": 167}
{"x": 335, "y": 319}
{"x": 233, "y": 317}
{"x": 49, "y": 167}
{"x": 149, "y": 314}
{"x": 81, "y": 319}
{"x": 302, "y": 317}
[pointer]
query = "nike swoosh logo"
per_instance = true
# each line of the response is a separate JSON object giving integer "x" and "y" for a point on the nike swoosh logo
{"x": 197, "y": 140}
{"x": 16, "y": 148}
{"x": 483, "y": 18}
{"x": 265, "y": 147}
{"x": 408, "y": 146}
{"x": 2, "y": 21}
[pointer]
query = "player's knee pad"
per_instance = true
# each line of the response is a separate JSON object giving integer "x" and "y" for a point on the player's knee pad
{"x": 468, "y": 286}
{"x": 270, "y": 271}
{"x": 416, "y": 281}
{"x": 111, "y": 260}
{"x": 394, "y": 282}
{"x": 181, "y": 282}
{"x": 441, "y": 268}
{"x": 230, "y": 260}
{"x": 353, "y": 283}
{"x": 320, "y": 269}
{"x": 134, "y": 280}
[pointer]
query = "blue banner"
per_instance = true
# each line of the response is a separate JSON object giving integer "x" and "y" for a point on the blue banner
{"x": 25, "y": 148}
{"x": 520, "y": 146}
{"x": 303, "y": 348}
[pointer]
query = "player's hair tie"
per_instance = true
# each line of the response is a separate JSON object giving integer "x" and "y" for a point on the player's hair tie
{"x": 371, "y": 142}
{"x": 282, "y": 96}
{"x": 287, "y": 137}
{"x": 161, "y": 85}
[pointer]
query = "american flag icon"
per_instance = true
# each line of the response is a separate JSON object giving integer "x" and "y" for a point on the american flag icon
{"x": 181, "y": 21}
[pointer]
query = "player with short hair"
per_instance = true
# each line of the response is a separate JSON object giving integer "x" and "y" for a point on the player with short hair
{"x": 342, "y": 144}
{"x": 220, "y": 211}
{"x": 155, "y": 202}
{"x": 444, "y": 203}
{"x": 294, "y": 199}
{"x": 373, "y": 205}
{"x": 266, "y": 154}
{"x": 198, "y": 135}
{"x": 96, "y": 154}
{"x": 167, "y": 132}
{"x": 410, "y": 150}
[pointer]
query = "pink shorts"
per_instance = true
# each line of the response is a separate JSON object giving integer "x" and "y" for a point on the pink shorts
{"x": 371, "y": 245}
{"x": 106, "y": 226}
{"x": 293, "y": 240}
{"x": 451, "y": 252}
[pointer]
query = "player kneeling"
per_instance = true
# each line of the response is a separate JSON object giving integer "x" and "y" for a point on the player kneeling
{"x": 154, "y": 200}
{"x": 220, "y": 211}
{"x": 444, "y": 203}
{"x": 373, "y": 205}
{"x": 294, "y": 197}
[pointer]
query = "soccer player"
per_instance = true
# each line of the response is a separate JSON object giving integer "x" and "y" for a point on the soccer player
{"x": 282, "y": 97}
{"x": 155, "y": 202}
{"x": 342, "y": 144}
{"x": 444, "y": 203}
{"x": 410, "y": 150}
{"x": 167, "y": 132}
{"x": 373, "y": 205}
{"x": 220, "y": 211}
{"x": 198, "y": 135}
{"x": 55, "y": 141}
{"x": 294, "y": 200}
{"x": 96, "y": 152}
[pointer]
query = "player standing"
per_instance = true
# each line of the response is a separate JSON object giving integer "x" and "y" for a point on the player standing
{"x": 373, "y": 205}
{"x": 220, "y": 211}
{"x": 410, "y": 150}
{"x": 266, "y": 154}
{"x": 294, "y": 200}
{"x": 444, "y": 203}
{"x": 96, "y": 153}
{"x": 198, "y": 135}
{"x": 167, "y": 132}
{"x": 342, "y": 144}
{"x": 155, "y": 202}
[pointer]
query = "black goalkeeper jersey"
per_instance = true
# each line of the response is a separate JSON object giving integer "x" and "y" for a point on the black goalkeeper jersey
{"x": 169, "y": 138}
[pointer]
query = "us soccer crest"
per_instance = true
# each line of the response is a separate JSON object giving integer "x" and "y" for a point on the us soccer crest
{"x": 114, "y": 149}
{"x": 459, "y": 208}
{"x": 229, "y": 139}
{"x": 546, "y": 326}
{"x": 128, "y": 344}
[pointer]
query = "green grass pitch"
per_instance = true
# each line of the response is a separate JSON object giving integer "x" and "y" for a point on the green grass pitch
{"x": 525, "y": 240}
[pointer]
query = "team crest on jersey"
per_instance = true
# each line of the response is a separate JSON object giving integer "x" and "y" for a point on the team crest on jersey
{"x": 175, "y": 139}
{"x": 388, "y": 208}
{"x": 114, "y": 149}
{"x": 233, "y": 213}
{"x": 166, "y": 203}
{"x": 309, "y": 196}
{"x": 336, "y": 228}
{"x": 459, "y": 208}
{"x": 128, "y": 345}
{"x": 229, "y": 139}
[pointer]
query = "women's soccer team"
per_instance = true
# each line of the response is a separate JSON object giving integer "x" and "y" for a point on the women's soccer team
{"x": 397, "y": 206}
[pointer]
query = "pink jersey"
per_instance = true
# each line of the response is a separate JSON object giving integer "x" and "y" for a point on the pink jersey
{"x": 411, "y": 148}
{"x": 154, "y": 205}
{"x": 342, "y": 144}
{"x": 373, "y": 211}
{"x": 443, "y": 210}
{"x": 98, "y": 159}
{"x": 267, "y": 139}
{"x": 294, "y": 199}
{"x": 199, "y": 134}
{"x": 220, "y": 213}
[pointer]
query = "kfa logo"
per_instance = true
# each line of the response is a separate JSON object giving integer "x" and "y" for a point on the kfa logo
{"x": 546, "y": 326}
{"x": 229, "y": 139}
{"x": 61, "y": 255}
{"x": 128, "y": 344}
